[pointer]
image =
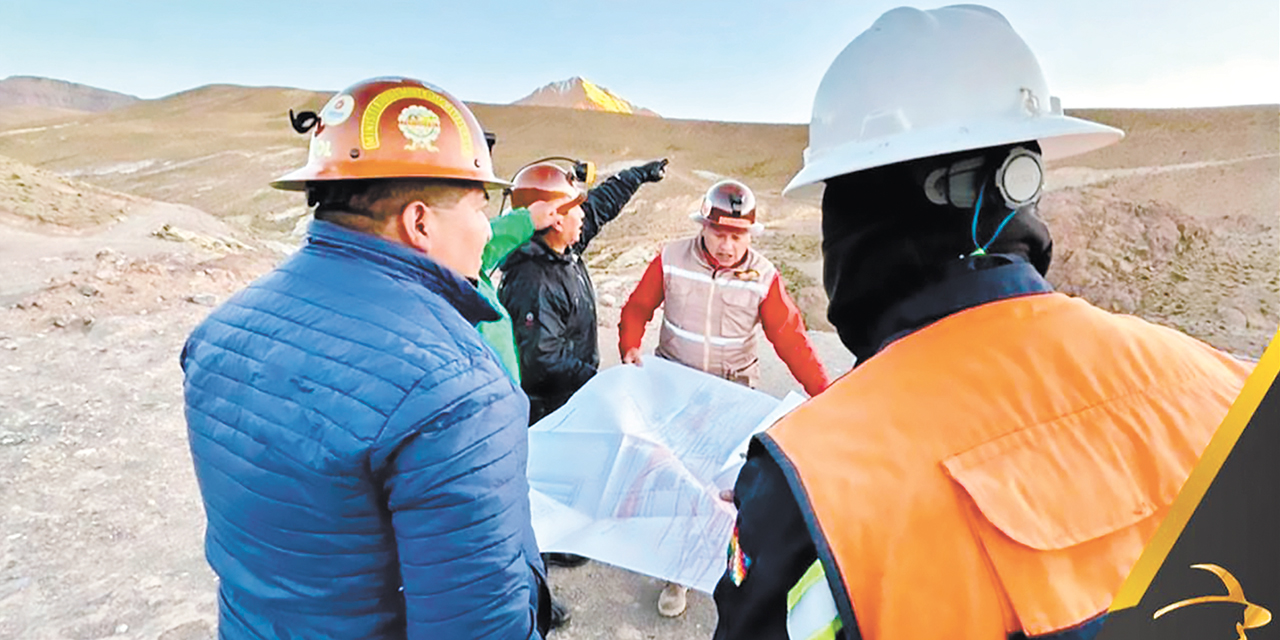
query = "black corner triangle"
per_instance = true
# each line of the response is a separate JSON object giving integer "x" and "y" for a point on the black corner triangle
{"x": 1232, "y": 537}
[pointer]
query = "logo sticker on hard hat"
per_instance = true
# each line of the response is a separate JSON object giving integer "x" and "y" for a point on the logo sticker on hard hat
{"x": 338, "y": 110}
{"x": 421, "y": 126}
{"x": 369, "y": 121}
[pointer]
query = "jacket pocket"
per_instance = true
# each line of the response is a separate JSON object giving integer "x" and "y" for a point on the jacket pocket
{"x": 1063, "y": 509}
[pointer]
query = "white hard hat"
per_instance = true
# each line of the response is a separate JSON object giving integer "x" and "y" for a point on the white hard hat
{"x": 927, "y": 83}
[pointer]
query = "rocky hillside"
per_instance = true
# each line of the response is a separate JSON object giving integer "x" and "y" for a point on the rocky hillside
{"x": 1178, "y": 223}
{"x": 31, "y": 195}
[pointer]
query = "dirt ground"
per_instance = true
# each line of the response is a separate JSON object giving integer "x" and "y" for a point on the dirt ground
{"x": 102, "y": 521}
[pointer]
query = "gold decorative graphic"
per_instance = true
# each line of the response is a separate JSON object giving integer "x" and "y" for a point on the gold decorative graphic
{"x": 369, "y": 122}
{"x": 1254, "y": 616}
{"x": 420, "y": 126}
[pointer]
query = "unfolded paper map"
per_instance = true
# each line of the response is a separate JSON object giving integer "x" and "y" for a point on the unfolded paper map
{"x": 629, "y": 471}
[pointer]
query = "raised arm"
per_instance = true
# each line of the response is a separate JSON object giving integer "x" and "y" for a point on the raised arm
{"x": 516, "y": 227}
{"x": 510, "y": 230}
{"x": 606, "y": 201}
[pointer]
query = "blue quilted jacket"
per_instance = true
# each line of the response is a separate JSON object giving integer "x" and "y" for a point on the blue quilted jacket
{"x": 361, "y": 453}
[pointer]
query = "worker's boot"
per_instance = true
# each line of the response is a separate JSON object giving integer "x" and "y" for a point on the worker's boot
{"x": 569, "y": 560}
{"x": 672, "y": 600}
{"x": 559, "y": 614}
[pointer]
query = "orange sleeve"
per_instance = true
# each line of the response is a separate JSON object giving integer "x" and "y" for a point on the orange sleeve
{"x": 784, "y": 327}
{"x": 638, "y": 310}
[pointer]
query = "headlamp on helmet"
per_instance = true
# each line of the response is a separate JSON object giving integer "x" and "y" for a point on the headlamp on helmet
{"x": 544, "y": 180}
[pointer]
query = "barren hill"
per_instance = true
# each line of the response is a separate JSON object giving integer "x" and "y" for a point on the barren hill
{"x": 579, "y": 93}
{"x": 31, "y": 195}
{"x": 1177, "y": 223}
{"x": 214, "y": 148}
{"x": 12, "y": 118}
{"x": 33, "y": 91}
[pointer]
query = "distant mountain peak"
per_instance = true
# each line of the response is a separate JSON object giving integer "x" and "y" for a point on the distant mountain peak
{"x": 34, "y": 91}
{"x": 580, "y": 93}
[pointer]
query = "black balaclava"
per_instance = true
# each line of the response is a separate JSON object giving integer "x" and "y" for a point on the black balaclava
{"x": 883, "y": 241}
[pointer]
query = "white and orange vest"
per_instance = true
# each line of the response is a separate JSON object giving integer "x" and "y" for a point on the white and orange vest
{"x": 1001, "y": 470}
{"x": 711, "y": 316}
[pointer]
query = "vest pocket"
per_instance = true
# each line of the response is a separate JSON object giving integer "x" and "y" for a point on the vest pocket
{"x": 740, "y": 311}
{"x": 1063, "y": 509}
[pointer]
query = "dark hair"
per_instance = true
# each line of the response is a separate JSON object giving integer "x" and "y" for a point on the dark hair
{"x": 365, "y": 203}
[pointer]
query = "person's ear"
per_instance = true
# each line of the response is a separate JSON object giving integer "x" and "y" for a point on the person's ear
{"x": 560, "y": 221}
{"x": 414, "y": 225}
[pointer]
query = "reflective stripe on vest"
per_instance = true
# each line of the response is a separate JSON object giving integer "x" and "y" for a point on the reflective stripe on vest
{"x": 811, "y": 609}
{"x": 1000, "y": 470}
{"x": 701, "y": 339}
{"x": 759, "y": 288}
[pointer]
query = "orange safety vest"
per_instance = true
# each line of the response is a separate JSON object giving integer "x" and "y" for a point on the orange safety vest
{"x": 1001, "y": 470}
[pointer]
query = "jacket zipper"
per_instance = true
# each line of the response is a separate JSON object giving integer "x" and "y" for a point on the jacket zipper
{"x": 706, "y": 335}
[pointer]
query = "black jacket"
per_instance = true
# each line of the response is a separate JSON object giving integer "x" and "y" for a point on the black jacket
{"x": 553, "y": 305}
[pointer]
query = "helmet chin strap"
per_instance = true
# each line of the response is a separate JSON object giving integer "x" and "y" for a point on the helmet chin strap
{"x": 506, "y": 192}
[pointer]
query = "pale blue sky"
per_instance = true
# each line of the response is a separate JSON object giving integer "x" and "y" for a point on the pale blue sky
{"x": 746, "y": 60}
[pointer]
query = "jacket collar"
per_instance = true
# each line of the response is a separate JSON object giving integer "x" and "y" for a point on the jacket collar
{"x": 710, "y": 262}
{"x": 966, "y": 286}
{"x": 403, "y": 262}
{"x": 537, "y": 249}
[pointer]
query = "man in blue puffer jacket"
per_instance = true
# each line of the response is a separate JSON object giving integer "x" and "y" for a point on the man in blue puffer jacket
{"x": 359, "y": 448}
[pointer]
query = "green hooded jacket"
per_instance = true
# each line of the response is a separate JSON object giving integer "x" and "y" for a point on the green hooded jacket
{"x": 510, "y": 230}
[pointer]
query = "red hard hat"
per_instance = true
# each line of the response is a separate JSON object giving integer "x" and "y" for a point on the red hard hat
{"x": 394, "y": 128}
{"x": 545, "y": 181}
{"x": 728, "y": 203}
